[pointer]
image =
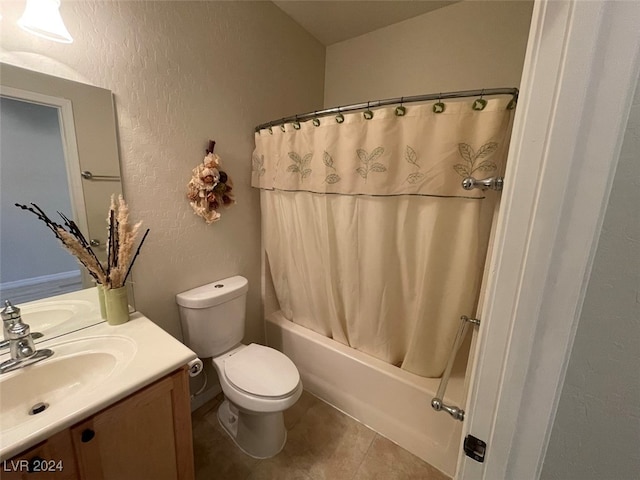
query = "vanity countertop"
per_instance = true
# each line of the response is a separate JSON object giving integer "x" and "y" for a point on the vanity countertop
{"x": 144, "y": 353}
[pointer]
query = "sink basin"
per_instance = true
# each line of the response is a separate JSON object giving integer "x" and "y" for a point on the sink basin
{"x": 91, "y": 369}
{"x": 76, "y": 368}
{"x": 49, "y": 317}
{"x": 59, "y": 315}
{"x": 47, "y": 314}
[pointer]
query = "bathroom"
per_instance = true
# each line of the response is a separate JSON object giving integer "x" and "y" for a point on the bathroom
{"x": 185, "y": 73}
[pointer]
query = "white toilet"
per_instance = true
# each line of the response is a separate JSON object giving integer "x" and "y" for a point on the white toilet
{"x": 258, "y": 382}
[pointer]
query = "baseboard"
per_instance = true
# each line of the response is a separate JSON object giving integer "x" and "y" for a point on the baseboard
{"x": 35, "y": 288}
{"x": 204, "y": 397}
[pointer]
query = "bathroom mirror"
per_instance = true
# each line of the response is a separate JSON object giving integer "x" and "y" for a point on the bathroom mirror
{"x": 58, "y": 149}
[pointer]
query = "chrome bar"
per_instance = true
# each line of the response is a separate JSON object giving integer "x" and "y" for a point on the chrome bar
{"x": 437, "y": 402}
{"x": 492, "y": 183}
{"x": 390, "y": 101}
{"x": 87, "y": 175}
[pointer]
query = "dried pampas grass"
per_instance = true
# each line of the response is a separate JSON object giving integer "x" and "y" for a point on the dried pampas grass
{"x": 120, "y": 243}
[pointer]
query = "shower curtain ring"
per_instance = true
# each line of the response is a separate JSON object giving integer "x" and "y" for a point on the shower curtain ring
{"x": 282, "y": 125}
{"x": 439, "y": 107}
{"x": 480, "y": 103}
{"x": 296, "y": 124}
{"x": 368, "y": 114}
{"x": 400, "y": 111}
{"x": 271, "y": 128}
{"x": 339, "y": 117}
{"x": 316, "y": 120}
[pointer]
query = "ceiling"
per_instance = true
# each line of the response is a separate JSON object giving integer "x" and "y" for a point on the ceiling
{"x": 332, "y": 21}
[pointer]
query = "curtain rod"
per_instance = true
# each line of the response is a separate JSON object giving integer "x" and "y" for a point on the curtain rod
{"x": 390, "y": 101}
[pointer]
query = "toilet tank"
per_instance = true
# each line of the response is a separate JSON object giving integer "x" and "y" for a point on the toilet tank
{"x": 212, "y": 316}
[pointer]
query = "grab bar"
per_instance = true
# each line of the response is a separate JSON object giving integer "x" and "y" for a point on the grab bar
{"x": 437, "y": 402}
{"x": 492, "y": 183}
{"x": 87, "y": 175}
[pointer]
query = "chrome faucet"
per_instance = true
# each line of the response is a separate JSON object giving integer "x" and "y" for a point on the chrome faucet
{"x": 18, "y": 334}
{"x": 9, "y": 316}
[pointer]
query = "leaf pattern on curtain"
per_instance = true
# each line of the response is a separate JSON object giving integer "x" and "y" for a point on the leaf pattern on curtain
{"x": 328, "y": 161}
{"x": 419, "y": 153}
{"x": 300, "y": 164}
{"x": 471, "y": 157}
{"x": 368, "y": 161}
{"x": 258, "y": 165}
{"x": 411, "y": 156}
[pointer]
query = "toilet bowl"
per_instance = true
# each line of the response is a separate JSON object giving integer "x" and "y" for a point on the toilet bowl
{"x": 258, "y": 382}
{"x": 258, "y": 378}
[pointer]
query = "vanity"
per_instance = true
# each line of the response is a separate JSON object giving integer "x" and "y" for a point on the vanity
{"x": 112, "y": 402}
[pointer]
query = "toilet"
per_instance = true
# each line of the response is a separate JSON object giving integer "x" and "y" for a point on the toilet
{"x": 258, "y": 382}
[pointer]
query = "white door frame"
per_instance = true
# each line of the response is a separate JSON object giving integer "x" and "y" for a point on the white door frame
{"x": 70, "y": 152}
{"x": 69, "y": 146}
{"x": 581, "y": 66}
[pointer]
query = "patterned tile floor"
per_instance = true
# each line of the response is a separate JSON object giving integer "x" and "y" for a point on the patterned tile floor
{"x": 322, "y": 444}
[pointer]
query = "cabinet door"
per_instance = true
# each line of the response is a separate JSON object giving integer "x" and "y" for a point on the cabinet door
{"x": 147, "y": 435}
{"x": 51, "y": 460}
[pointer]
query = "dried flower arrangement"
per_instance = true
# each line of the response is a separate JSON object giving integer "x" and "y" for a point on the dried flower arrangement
{"x": 122, "y": 237}
{"x": 209, "y": 188}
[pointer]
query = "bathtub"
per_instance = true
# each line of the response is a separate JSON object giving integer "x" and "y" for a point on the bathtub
{"x": 391, "y": 401}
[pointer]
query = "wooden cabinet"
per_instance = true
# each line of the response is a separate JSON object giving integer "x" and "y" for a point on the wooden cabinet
{"x": 51, "y": 459}
{"x": 146, "y": 435}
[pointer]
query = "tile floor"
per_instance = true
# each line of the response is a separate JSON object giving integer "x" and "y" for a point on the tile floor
{"x": 322, "y": 444}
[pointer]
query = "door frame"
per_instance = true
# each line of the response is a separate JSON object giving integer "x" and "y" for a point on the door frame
{"x": 69, "y": 145}
{"x": 581, "y": 68}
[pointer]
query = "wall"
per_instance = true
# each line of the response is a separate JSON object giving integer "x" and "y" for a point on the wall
{"x": 596, "y": 432}
{"x": 465, "y": 46}
{"x": 183, "y": 73}
{"x": 40, "y": 167}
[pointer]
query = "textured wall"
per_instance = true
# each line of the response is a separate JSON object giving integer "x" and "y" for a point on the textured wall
{"x": 596, "y": 433}
{"x": 465, "y": 46}
{"x": 184, "y": 72}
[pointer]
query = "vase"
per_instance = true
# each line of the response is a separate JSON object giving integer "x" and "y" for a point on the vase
{"x": 117, "y": 302}
{"x": 103, "y": 307}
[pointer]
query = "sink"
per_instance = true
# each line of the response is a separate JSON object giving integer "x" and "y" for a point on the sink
{"x": 49, "y": 317}
{"x": 48, "y": 314}
{"x": 76, "y": 368}
{"x": 91, "y": 369}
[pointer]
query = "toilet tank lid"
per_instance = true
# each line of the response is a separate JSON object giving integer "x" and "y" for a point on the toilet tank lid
{"x": 214, "y": 293}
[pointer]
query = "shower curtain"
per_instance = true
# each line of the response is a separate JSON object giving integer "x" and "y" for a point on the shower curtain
{"x": 369, "y": 236}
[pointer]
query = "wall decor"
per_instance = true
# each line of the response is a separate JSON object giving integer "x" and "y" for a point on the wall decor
{"x": 210, "y": 187}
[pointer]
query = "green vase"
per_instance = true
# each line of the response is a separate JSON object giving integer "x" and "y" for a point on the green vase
{"x": 117, "y": 302}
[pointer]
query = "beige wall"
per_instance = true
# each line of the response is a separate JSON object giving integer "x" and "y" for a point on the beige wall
{"x": 182, "y": 73}
{"x": 465, "y": 46}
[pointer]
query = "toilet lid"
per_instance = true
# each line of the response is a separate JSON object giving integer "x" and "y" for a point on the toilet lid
{"x": 261, "y": 370}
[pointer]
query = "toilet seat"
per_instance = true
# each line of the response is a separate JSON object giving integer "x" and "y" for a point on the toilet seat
{"x": 261, "y": 371}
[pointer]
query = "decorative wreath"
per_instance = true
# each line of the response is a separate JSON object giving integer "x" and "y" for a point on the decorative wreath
{"x": 209, "y": 187}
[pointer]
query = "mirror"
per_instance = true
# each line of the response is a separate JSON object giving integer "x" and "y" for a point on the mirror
{"x": 52, "y": 132}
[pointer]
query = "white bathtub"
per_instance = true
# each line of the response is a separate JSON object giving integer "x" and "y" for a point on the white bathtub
{"x": 394, "y": 403}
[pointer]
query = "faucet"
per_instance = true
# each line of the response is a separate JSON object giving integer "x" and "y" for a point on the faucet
{"x": 18, "y": 334}
{"x": 9, "y": 315}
